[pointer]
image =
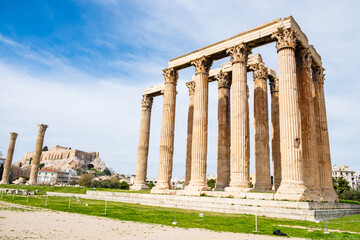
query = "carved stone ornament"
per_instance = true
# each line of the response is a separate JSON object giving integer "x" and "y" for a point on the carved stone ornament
{"x": 42, "y": 128}
{"x": 224, "y": 80}
{"x": 260, "y": 71}
{"x": 170, "y": 75}
{"x": 239, "y": 53}
{"x": 318, "y": 74}
{"x": 147, "y": 102}
{"x": 191, "y": 86}
{"x": 202, "y": 65}
{"x": 274, "y": 85}
{"x": 13, "y": 135}
{"x": 303, "y": 58}
{"x": 285, "y": 38}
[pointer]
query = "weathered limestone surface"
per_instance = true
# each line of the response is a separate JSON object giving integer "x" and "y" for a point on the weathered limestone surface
{"x": 223, "y": 151}
{"x": 292, "y": 184}
{"x": 191, "y": 86}
{"x": 306, "y": 106}
{"x": 9, "y": 157}
{"x": 143, "y": 147}
{"x": 167, "y": 131}
{"x": 38, "y": 149}
{"x": 328, "y": 192}
{"x": 275, "y": 133}
{"x": 200, "y": 124}
{"x": 261, "y": 125}
{"x": 239, "y": 179}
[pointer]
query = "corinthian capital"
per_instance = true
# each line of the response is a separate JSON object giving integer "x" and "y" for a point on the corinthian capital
{"x": 318, "y": 74}
{"x": 146, "y": 102}
{"x": 260, "y": 71}
{"x": 13, "y": 135}
{"x": 202, "y": 65}
{"x": 285, "y": 38}
{"x": 170, "y": 75}
{"x": 239, "y": 53}
{"x": 42, "y": 128}
{"x": 303, "y": 58}
{"x": 191, "y": 86}
{"x": 224, "y": 80}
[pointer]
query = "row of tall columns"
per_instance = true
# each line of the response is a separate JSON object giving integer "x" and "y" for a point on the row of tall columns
{"x": 9, "y": 157}
{"x": 143, "y": 147}
{"x": 300, "y": 141}
{"x": 38, "y": 149}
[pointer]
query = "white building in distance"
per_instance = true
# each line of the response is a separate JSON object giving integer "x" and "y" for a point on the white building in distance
{"x": 347, "y": 174}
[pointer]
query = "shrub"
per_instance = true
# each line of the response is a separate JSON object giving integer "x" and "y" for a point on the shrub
{"x": 150, "y": 185}
{"x": 73, "y": 182}
{"x": 211, "y": 183}
{"x": 86, "y": 180}
{"x": 124, "y": 185}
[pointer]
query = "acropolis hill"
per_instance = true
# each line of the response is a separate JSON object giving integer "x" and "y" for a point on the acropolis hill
{"x": 63, "y": 158}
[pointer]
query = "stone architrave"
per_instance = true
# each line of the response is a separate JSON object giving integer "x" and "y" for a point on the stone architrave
{"x": 261, "y": 125}
{"x": 9, "y": 157}
{"x": 167, "y": 131}
{"x": 275, "y": 133}
{"x": 239, "y": 178}
{"x": 200, "y": 124}
{"x": 38, "y": 149}
{"x": 292, "y": 185}
{"x": 143, "y": 147}
{"x": 327, "y": 190}
{"x": 223, "y": 147}
{"x": 308, "y": 133}
{"x": 191, "y": 86}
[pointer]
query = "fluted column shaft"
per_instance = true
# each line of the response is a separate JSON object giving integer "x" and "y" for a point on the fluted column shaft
{"x": 38, "y": 150}
{"x": 223, "y": 146}
{"x": 239, "y": 178}
{"x": 191, "y": 86}
{"x": 9, "y": 157}
{"x": 143, "y": 147}
{"x": 292, "y": 184}
{"x": 167, "y": 131}
{"x": 261, "y": 126}
{"x": 309, "y": 148}
{"x": 275, "y": 133}
{"x": 327, "y": 190}
{"x": 200, "y": 124}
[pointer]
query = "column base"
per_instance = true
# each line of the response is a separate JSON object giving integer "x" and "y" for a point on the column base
{"x": 262, "y": 187}
{"x": 329, "y": 195}
{"x": 237, "y": 189}
{"x": 139, "y": 187}
{"x": 31, "y": 182}
{"x": 293, "y": 191}
{"x": 4, "y": 182}
{"x": 162, "y": 185}
{"x": 220, "y": 187}
{"x": 184, "y": 186}
{"x": 195, "y": 188}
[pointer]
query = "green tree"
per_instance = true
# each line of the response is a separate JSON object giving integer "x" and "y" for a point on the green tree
{"x": 86, "y": 180}
{"x": 150, "y": 185}
{"x": 107, "y": 172}
{"x": 211, "y": 183}
{"x": 124, "y": 185}
{"x": 341, "y": 186}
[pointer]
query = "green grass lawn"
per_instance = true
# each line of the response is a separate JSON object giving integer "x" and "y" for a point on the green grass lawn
{"x": 190, "y": 219}
{"x": 78, "y": 190}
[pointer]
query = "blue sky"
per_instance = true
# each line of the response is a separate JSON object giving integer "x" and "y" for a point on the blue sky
{"x": 81, "y": 67}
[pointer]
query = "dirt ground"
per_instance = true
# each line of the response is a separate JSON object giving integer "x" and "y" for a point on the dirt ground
{"x": 20, "y": 222}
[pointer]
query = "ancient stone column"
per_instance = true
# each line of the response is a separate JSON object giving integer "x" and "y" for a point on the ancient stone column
{"x": 167, "y": 131}
{"x": 292, "y": 184}
{"x": 239, "y": 178}
{"x": 200, "y": 124}
{"x": 9, "y": 157}
{"x": 191, "y": 86}
{"x": 327, "y": 190}
{"x": 261, "y": 125}
{"x": 275, "y": 133}
{"x": 38, "y": 149}
{"x": 308, "y": 133}
{"x": 143, "y": 147}
{"x": 223, "y": 147}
